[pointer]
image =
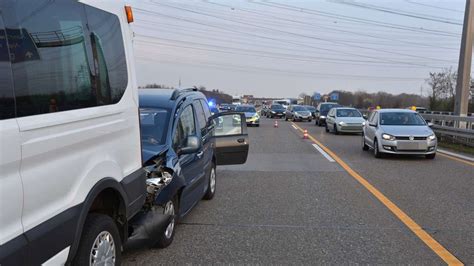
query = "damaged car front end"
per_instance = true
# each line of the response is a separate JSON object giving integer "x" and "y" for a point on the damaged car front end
{"x": 157, "y": 217}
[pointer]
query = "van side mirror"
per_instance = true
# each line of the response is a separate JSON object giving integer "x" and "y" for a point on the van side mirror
{"x": 193, "y": 144}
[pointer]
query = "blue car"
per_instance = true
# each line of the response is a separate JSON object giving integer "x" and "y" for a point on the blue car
{"x": 182, "y": 143}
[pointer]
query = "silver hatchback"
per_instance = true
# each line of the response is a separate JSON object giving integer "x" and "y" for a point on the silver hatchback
{"x": 398, "y": 131}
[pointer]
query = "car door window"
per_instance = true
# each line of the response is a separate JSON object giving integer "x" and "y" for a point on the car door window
{"x": 207, "y": 111}
{"x": 201, "y": 117}
{"x": 184, "y": 128}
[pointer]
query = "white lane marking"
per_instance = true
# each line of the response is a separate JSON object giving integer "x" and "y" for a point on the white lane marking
{"x": 456, "y": 155}
{"x": 323, "y": 153}
{"x": 294, "y": 126}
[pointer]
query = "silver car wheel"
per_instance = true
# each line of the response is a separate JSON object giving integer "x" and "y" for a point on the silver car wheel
{"x": 103, "y": 250}
{"x": 169, "y": 210}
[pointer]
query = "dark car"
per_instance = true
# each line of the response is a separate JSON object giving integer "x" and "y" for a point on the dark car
{"x": 298, "y": 113}
{"x": 181, "y": 147}
{"x": 312, "y": 109}
{"x": 225, "y": 107}
{"x": 322, "y": 112}
{"x": 276, "y": 110}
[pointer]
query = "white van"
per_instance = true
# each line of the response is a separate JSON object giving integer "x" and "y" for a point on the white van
{"x": 70, "y": 154}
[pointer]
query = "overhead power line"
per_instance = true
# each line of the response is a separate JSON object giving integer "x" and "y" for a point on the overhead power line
{"x": 354, "y": 19}
{"x": 302, "y": 35}
{"x": 253, "y": 69}
{"x": 398, "y": 12}
{"x": 265, "y": 54}
{"x": 303, "y": 44}
{"x": 435, "y": 7}
{"x": 334, "y": 29}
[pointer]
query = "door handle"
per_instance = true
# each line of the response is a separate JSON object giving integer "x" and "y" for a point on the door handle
{"x": 242, "y": 140}
{"x": 199, "y": 154}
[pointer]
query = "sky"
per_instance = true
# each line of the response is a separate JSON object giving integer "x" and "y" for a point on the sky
{"x": 281, "y": 48}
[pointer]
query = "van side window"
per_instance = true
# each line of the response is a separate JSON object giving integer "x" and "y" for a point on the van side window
{"x": 7, "y": 101}
{"x": 201, "y": 117}
{"x": 184, "y": 128}
{"x": 64, "y": 62}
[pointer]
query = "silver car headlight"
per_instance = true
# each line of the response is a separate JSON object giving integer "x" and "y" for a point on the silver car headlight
{"x": 432, "y": 137}
{"x": 342, "y": 123}
{"x": 322, "y": 117}
{"x": 387, "y": 137}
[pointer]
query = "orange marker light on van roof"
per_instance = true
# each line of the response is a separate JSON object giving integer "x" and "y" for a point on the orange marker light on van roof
{"x": 129, "y": 12}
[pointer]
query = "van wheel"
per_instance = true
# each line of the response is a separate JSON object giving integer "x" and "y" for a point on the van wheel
{"x": 100, "y": 243}
{"x": 211, "y": 187}
{"x": 166, "y": 237}
{"x": 430, "y": 156}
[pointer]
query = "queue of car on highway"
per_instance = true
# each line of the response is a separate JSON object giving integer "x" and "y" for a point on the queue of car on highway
{"x": 384, "y": 131}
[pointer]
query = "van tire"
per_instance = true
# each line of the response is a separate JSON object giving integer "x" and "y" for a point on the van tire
{"x": 94, "y": 226}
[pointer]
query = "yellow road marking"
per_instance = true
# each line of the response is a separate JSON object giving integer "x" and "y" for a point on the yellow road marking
{"x": 456, "y": 159}
{"x": 441, "y": 251}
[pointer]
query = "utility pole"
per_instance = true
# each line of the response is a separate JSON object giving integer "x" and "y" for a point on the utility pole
{"x": 463, "y": 85}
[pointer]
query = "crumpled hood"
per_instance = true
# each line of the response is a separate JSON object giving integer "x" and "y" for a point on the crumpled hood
{"x": 421, "y": 131}
{"x": 150, "y": 151}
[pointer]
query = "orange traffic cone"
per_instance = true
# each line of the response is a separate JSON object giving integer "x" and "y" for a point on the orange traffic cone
{"x": 305, "y": 134}
{"x": 275, "y": 124}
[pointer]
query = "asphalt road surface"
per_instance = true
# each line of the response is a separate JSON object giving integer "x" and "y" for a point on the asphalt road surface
{"x": 289, "y": 204}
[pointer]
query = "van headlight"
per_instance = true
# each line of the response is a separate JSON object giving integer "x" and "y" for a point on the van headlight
{"x": 432, "y": 137}
{"x": 388, "y": 137}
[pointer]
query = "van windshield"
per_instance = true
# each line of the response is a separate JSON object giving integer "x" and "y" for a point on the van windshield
{"x": 153, "y": 125}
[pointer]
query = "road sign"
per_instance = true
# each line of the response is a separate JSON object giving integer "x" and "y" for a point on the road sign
{"x": 22, "y": 47}
{"x": 317, "y": 96}
{"x": 334, "y": 96}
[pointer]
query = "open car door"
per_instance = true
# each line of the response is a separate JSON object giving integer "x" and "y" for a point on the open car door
{"x": 231, "y": 138}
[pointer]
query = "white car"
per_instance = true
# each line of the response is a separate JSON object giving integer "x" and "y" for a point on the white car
{"x": 398, "y": 131}
{"x": 344, "y": 119}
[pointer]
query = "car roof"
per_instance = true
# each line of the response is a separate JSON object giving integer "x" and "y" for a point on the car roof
{"x": 163, "y": 97}
{"x": 246, "y": 105}
{"x": 328, "y": 103}
{"x": 342, "y": 107}
{"x": 398, "y": 110}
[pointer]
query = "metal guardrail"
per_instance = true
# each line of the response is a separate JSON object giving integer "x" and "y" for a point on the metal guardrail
{"x": 457, "y": 128}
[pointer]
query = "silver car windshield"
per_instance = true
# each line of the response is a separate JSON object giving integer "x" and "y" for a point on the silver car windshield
{"x": 348, "y": 113}
{"x": 401, "y": 119}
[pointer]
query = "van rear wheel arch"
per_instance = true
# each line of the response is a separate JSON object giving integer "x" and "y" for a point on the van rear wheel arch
{"x": 97, "y": 202}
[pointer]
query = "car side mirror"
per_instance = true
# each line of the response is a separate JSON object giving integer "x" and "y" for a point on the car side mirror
{"x": 193, "y": 144}
{"x": 430, "y": 124}
{"x": 372, "y": 124}
{"x": 365, "y": 117}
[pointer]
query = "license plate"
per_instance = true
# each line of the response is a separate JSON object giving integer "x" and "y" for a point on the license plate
{"x": 411, "y": 146}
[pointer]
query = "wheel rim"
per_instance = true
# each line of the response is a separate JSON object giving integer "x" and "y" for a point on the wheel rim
{"x": 169, "y": 210}
{"x": 212, "y": 180}
{"x": 103, "y": 250}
